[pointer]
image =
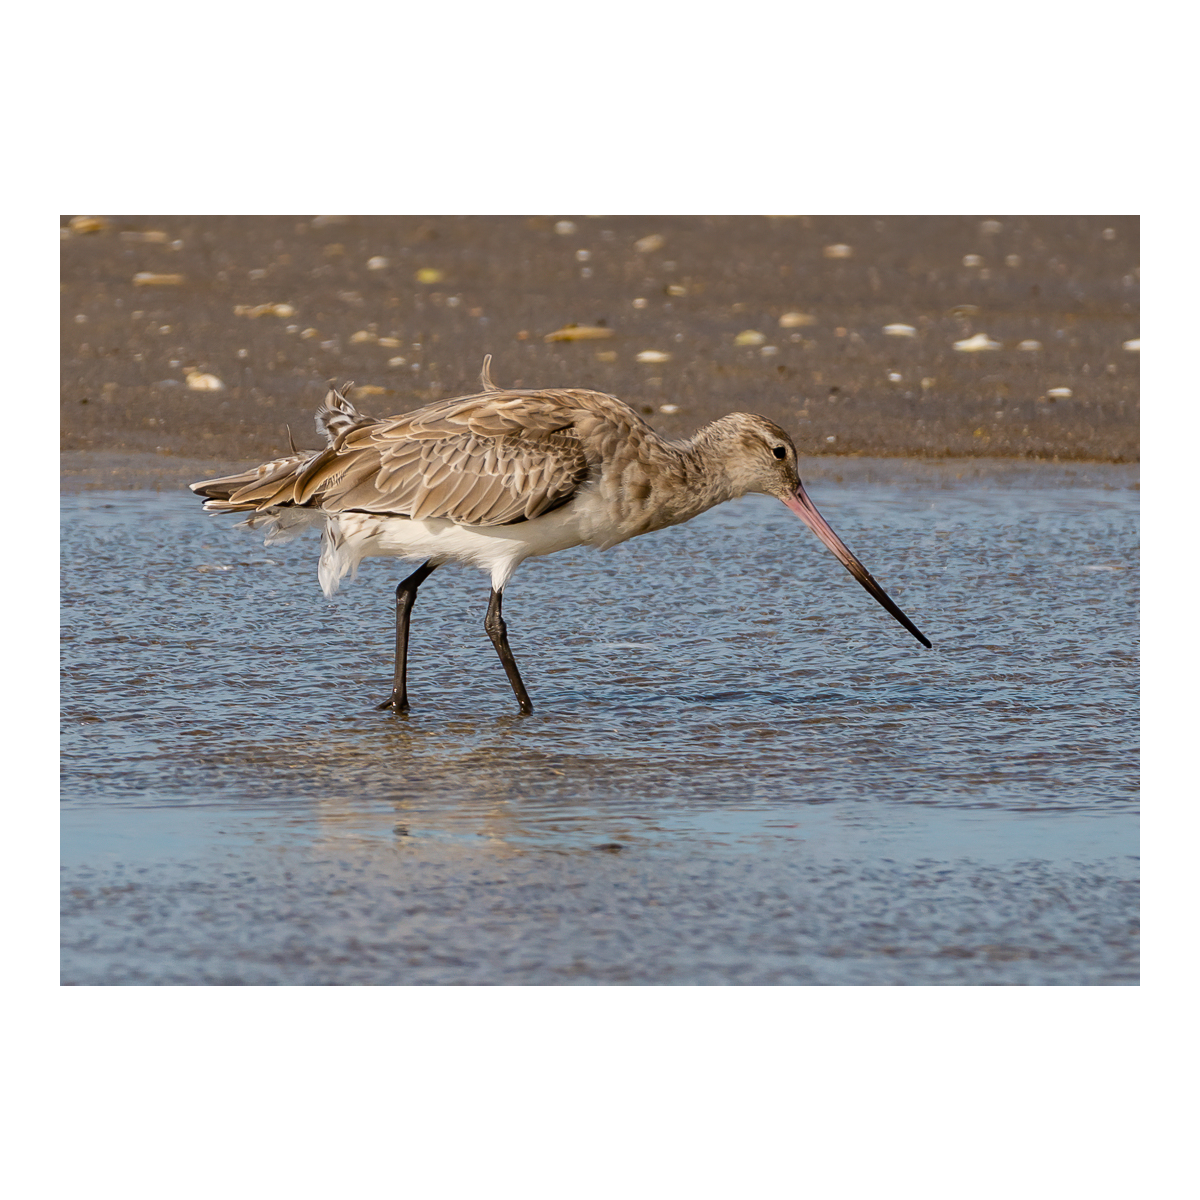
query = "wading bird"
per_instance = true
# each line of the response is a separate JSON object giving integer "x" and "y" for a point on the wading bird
{"x": 492, "y": 479}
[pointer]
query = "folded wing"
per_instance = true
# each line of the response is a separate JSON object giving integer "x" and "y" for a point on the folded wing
{"x": 492, "y": 459}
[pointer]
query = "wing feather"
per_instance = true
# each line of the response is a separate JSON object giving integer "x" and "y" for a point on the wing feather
{"x": 467, "y": 478}
{"x": 485, "y": 499}
{"x": 248, "y": 488}
{"x": 489, "y": 459}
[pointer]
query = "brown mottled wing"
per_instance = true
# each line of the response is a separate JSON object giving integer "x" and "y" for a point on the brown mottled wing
{"x": 490, "y": 459}
{"x": 484, "y": 460}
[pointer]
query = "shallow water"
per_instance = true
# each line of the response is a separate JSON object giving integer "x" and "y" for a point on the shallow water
{"x": 739, "y": 770}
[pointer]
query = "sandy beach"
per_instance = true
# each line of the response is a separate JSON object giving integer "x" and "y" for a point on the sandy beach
{"x": 191, "y": 344}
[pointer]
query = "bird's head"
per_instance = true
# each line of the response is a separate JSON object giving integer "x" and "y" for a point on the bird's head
{"x": 760, "y": 457}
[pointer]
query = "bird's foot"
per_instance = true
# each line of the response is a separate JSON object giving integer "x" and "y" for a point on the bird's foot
{"x": 394, "y": 703}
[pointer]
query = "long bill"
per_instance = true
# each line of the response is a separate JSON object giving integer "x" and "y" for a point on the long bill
{"x": 804, "y": 508}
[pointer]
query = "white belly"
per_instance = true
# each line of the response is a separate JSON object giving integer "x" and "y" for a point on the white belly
{"x": 347, "y": 538}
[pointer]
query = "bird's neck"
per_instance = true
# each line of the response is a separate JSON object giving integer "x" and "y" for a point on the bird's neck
{"x": 701, "y": 476}
{"x": 651, "y": 483}
{"x": 705, "y": 461}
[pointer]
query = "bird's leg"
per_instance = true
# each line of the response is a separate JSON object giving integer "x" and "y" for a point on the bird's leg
{"x": 498, "y": 632}
{"x": 406, "y": 597}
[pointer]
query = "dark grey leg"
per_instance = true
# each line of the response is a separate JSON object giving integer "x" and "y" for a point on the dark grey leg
{"x": 498, "y": 632}
{"x": 406, "y": 597}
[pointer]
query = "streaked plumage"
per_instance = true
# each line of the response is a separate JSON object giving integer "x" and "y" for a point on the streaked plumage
{"x": 502, "y": 475}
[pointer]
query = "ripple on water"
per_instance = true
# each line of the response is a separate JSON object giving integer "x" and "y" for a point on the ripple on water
{"x": 728, "y": 661}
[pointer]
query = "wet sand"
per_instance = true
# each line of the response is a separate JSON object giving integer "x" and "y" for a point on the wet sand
{"x": 409, "y": 306}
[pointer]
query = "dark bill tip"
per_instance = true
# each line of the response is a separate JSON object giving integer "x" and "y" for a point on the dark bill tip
{"x": 804, "y": 508}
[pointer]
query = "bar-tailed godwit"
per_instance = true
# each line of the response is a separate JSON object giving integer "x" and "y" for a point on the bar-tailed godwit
{"x": 492, "y": 479}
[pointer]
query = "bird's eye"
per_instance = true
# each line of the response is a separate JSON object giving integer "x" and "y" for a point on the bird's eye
{"x": 779, "y": 452}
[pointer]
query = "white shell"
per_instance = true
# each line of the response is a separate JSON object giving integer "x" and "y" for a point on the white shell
{"x": 204, "y": 383}
{"x": 973, "y": 345}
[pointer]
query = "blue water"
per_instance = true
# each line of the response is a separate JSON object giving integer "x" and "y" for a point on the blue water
{"x": 736, "y": 756}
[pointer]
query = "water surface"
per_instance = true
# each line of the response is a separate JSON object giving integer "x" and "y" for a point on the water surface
{"x": 740, "y": 769}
